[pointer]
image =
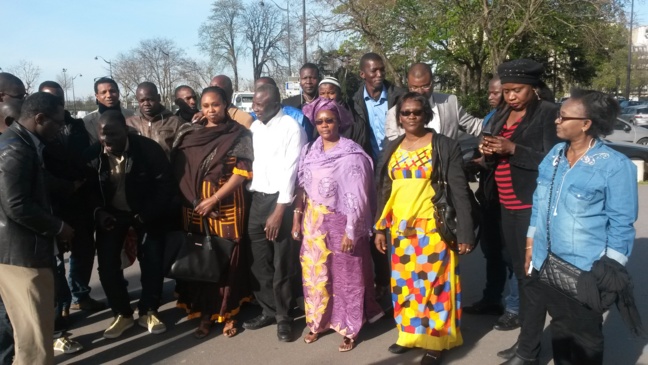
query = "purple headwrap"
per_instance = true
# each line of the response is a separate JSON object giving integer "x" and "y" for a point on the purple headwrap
{"x": 343, "y": 115}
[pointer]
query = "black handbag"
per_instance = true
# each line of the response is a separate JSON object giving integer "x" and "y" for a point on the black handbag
{"x": 195, "y": 257}
{"x": 445, "y": 214}
{"x": 555, "y": 272}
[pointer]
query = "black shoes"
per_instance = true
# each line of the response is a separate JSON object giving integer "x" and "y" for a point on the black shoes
{"x": 258, "y": 322}
{"x": 398, "y": 349}
{"x": 508, "y": 321}
{"x": 509, "y": 352}
{"x": 484, "y": 307}
{"x": 516, "y": 360}
{"x": 284, "y": 331}
{"x": 431, "y": 358}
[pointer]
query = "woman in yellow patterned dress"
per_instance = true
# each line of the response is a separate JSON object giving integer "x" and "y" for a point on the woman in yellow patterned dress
{"x": 426, "y": 291}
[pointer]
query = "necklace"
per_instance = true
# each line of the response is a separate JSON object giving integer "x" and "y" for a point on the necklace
{"x": 590, "y": 144}
{"x": 411, "y": 144}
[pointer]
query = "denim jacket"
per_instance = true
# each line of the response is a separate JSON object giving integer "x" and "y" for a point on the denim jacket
{"x": 593, "y": 203}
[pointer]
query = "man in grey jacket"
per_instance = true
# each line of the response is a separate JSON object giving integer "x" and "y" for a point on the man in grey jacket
{"x": 449, "y": 117}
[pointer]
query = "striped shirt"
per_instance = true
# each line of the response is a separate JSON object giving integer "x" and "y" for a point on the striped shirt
{"x": 507, "y": 195}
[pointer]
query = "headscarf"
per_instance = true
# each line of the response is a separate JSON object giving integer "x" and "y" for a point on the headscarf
{"x": 343, "y": 115}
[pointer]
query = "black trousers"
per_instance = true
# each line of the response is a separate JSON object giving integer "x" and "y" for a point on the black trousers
{"x": 150, "y": 251}
{"x": 275, "y": 264}
{"x": 492, "y": 247}
{"x": 576, "y": 331}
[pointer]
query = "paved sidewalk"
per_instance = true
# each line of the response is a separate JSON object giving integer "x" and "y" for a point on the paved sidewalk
{"x": 481, "y": 342}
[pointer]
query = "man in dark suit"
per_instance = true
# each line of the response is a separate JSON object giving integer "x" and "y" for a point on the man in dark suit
{"x": 28, "y": 228}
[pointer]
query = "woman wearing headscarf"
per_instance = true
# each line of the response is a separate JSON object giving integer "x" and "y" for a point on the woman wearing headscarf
{"x": 329, "y": 88}
{"x": 333, "y": 213}
{"x": 584, "y": 209}
{"x": 522, "y": 133}
{"x": 211, "y": 161}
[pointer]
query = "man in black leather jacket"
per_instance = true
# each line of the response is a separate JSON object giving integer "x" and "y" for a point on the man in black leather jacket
{"x": 134, "y": 189}
{"x": 28, "y": 229}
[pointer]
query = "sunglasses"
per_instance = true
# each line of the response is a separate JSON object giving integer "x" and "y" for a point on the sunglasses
{"x": 407, "y": 113}
{"x": 327, "y": 121}
{"x": 565, "y": 119}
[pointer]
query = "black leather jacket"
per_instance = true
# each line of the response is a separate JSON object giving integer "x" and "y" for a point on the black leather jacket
{"x": 150, "y": 186}
{"x": 27, "y": 227}
{"x": 450, "y": 154}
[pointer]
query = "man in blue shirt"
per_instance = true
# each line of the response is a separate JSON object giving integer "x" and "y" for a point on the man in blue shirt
{"x": 373, "y": 99}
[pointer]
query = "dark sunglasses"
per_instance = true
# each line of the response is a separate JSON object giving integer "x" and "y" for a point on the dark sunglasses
{"x": 407, "y": 113}
{"x": 565, "y": 119}
{"x": 18, "y": 97}
{"x": 327, "y": 121}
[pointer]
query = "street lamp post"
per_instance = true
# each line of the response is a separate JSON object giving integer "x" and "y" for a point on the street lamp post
{"x": 629, "y": 67}
{"x": 74, "y": 96}
{"x": 287, "y": 10}
{"x": 66, "y": 85}
{"x": 108, "y": 62}
{"x": 304, "y": 28}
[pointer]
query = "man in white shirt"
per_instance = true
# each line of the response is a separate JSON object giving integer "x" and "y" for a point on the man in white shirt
{"x": 448, "y": 116}
{"x": 277, "y": 140}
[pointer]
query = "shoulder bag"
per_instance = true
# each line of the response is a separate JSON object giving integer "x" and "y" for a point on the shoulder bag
{"x": 555, "y": 272}
{"x": 445, "y": 214}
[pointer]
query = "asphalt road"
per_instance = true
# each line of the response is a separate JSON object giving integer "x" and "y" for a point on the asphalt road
{"x": 481, "y": 342}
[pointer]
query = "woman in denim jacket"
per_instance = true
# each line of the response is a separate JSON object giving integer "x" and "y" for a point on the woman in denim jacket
{"x": 593, "y": 193}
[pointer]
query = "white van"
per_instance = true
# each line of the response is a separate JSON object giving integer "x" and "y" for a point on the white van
{"x": 243, "y": 100}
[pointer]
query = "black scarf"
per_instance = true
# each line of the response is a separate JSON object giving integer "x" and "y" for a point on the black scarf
{"x": 103, "y": 108}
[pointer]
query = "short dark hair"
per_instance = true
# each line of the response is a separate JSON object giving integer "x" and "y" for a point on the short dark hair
{"x": 39, "y": 102}
{"x": 148, "y": 86}
{"x": 219, "y": 91}
{"x": 104, "y": 80}
{"x": 50, "y": 84}
{"x": 601, "y": 109}
{"x": 272, "y": 90}
{"x": 9, "y": 81}
{"x": 414, "y": 96}
{"x": 267, "y": 80}
{"x": 371, "y": 56}
{"x": 112, "y": 116}
{"x": 311, "y": 66}
{"x": 177, "y": 90}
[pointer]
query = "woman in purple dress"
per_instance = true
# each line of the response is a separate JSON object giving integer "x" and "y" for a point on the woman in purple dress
{"x": 333, "y": 211}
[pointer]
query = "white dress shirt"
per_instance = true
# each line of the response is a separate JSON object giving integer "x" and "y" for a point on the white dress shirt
{"x": 277, "y": 146}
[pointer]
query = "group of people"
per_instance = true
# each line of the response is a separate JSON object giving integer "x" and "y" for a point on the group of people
{"x": 324, "y": 198}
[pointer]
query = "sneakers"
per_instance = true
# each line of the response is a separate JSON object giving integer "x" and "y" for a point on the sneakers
{"x": 89, "y": 305}
{"x": 119, "y": 325}
{"x": 152, "y": 322}
{"x": 507, "y": 322}
{"x": 67, "y": 346}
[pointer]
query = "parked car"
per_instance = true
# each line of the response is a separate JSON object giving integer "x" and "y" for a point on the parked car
{"x": 627, "y": 132}
{"x": 627, "y": 103}
{"x": 243, "y": 100}
{"x": 636, "y": 114}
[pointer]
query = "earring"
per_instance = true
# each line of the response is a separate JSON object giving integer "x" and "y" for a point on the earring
{"x": 538, "y": 95}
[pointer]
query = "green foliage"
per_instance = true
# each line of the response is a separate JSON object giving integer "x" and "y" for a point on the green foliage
{"x": 475, "y": 103}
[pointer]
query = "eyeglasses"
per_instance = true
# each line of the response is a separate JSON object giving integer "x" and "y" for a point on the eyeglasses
{"x": 407, "y": 113}
{"x": 327, "y": 121}
{"x": 419, "y": 89}
{"x": 561, "y": 118}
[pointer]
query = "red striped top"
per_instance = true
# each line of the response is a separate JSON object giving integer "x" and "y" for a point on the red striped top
{"x": 507, "y": 195}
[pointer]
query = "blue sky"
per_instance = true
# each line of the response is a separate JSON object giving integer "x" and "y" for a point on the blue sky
{"x": 56, "y": 34}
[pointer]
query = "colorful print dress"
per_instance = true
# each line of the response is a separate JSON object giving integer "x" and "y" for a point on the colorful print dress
{"x": 426, "y": 292}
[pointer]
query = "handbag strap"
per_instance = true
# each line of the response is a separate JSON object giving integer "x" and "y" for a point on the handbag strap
{"x": 437, "y": 160}
{"x": 551, "y": 186}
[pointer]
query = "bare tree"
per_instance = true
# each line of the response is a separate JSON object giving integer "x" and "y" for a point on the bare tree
{"x": 221, "y": 36}
{"x": 27, "y": 72}
{"x": 159, "y": 61}
{"x": 264, "y": 35}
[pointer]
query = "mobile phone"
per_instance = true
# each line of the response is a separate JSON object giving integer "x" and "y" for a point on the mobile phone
{"x": 487, "y": 133}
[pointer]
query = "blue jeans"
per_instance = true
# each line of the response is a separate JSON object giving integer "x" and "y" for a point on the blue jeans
{"x": 512, "y": 300}
{"x": 6, "y": 337}
{"x": 150, "y": 252}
